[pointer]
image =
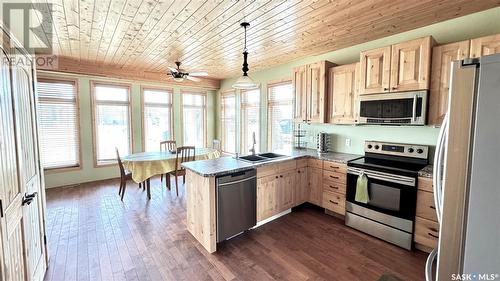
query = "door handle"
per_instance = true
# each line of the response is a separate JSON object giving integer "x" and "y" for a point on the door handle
{"x": 28, "y": 198}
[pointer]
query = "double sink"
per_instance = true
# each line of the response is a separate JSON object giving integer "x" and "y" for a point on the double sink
{"x": 261, "y": 157}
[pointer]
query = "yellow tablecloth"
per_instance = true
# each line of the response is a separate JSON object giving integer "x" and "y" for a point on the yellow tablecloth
{"x": 144, "y": 165}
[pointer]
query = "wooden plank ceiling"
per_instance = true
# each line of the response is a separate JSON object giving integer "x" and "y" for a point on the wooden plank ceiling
{"x": 148, "y": 35}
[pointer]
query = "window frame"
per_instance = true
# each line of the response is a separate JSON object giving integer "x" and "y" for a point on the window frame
{"x": 94, "y": 102}
{"x": 269, "y": 107}
{"x": 75, "y": 82}
{"x": 243, "y": 127}
{"x": 143, "y": 127}
{"x": 228, "y": 93}
{"x": 204, "y": 95}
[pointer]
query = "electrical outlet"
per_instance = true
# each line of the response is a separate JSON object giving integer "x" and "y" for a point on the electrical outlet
{"x": 347, "y": 142}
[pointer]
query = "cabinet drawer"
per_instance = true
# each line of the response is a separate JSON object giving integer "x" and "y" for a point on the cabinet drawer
{"x": 267, "y": 170}
{"x": 286, "y": 166}
{"x": 425, "y": 205}
{"x": 426, "y": 232}
{"x": 425, "y": 184}
{"x": 334, "y": 186}
{"x": 334, "y": 176}
{"x": 334, "y": 167}
{"x": 334, "y": 202}
{"x": 301, "y": 163}
{"x": 315, "y": 163}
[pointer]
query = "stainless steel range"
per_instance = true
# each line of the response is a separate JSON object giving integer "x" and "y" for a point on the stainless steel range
{"x": 392, "y": 173}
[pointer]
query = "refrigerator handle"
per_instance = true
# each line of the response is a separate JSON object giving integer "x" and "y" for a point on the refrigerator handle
{"x": 438, "y": 160}
{"x": 428, "y": 265}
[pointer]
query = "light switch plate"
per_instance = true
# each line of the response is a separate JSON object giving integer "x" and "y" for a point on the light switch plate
{"x": 347, "y": 142}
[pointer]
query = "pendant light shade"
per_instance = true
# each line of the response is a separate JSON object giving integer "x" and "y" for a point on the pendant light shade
{"x": 245, "y": 82}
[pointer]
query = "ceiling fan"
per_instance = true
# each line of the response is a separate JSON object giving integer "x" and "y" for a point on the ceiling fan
{"x": 179, "y": 74}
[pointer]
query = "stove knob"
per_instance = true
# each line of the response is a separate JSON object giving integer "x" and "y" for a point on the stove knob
{"x": 420, "y": 151}
{"x": 410, "y": 150}
{"x": 377, "y": 147}
{"x": 370, "y": 146}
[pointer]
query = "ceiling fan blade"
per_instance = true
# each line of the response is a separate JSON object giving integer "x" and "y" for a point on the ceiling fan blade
{"x": 172, "y": 69}
{"x": 194, "y": 79}
{"x": 198, "y": 73}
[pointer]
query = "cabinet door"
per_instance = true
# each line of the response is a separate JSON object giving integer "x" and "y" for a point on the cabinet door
{"x": 301, "y": 186}
{"x": 22, "y": 78}
{"x": 286, "y": 191}
{"x": 375, "y": 71}
{"x": 343, "y": 94}
{"x": 442, "y": 56}
{"x": 484, "y": 46}
{"x": 410, "y": 65}
{"x": 267, "y": 192}
{"x": 315, "y": 186}
{"x": 300, "y": 89}
{"x": 11, "y": 193}
{"x": 316, "y": 84}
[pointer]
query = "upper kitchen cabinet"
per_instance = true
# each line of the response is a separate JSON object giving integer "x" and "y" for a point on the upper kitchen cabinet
{"x": 400, "y": 67}
{"x": 442, "y": 56}
{"x": 375, "y": 70}
{"x": 484, "y": 46}
{"x": 310, "y": 86}
{"x": 411, "y": 64}
{"x": 343, "y": 87}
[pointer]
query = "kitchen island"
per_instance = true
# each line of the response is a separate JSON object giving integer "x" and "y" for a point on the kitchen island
{"x": 299, "y": 176}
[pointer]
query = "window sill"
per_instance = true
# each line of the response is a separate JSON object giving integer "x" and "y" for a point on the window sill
{"x": 49, "y": 171}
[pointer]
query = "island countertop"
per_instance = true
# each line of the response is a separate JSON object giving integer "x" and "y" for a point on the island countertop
{"x": 227, "y": 165}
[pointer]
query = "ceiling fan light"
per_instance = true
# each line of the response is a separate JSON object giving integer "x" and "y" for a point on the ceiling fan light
{"x": 178, "y": 79}
{"x": 245, "y": 83}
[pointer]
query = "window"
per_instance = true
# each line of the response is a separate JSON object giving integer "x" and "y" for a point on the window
{"x": 111, "y": 122}
{"x": 157, "y": 117}
{"x": 59, "y": 123}
{"x": 280, "y": 115}
{"x": 250, "y": 117}
{"x": 193, "y": 114}
{"x": 228, "y": 122}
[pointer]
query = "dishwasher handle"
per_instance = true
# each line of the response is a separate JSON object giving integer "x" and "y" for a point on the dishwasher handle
{"x": 238, "y": 181}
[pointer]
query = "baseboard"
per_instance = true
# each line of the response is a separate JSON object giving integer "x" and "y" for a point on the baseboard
{"x": 262, "y": 222}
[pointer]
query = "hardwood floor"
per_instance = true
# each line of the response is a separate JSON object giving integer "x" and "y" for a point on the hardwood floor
{"x": 92, "y": 235}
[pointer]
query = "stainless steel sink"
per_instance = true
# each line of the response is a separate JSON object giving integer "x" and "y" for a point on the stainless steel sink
{"x": 261, "y": 157}
{"x": 270, "y": 155}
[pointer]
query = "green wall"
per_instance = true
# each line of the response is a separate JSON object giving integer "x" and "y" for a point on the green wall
{"x": 88, "y": 172}
{"x": 467, "y": 27}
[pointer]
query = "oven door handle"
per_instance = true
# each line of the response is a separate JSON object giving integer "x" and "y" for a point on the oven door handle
{"x": 383, "y": 176}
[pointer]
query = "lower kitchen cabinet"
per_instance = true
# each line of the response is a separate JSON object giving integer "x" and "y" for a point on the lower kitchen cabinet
{"x": 426, "y": 224}
{"x": 316, "y": 186}
{"x": 267, "y": 193}
{"x": 334, "y": 202}
{"x": 286, "y": 191}
{"x": 301, "y": 186}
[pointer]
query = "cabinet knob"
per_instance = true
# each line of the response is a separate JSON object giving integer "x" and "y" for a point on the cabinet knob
{"x": 281, "y": 176}
{"x": 386, "y": 89}
{"x": 276, "y": 176}
{"x": 394, "y": 88}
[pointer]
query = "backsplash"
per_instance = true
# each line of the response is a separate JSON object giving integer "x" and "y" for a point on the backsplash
{"x": 358, "y": 134}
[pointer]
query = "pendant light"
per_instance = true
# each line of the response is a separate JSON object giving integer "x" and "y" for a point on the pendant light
{"x": 245, "y": 82}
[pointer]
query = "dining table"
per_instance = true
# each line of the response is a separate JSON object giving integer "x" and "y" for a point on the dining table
{"x": 144, "y": 165}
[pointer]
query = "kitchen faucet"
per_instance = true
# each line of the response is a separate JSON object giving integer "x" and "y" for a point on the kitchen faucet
{"x": 252, "y": 149}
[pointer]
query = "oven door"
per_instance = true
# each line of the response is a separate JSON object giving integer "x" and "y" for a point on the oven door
{"x": 396, "y": 108}
{"x": 390, "y": 194}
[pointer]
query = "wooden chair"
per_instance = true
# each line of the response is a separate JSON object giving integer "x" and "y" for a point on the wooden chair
{"x": 184, "y": 154}
{"x": 124, "y": 175}
{"x": 170, "y": 145}
{"x": 216, "y": 145}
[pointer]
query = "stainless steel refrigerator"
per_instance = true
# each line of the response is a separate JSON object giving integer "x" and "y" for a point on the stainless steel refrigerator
{"x": 467, "y": 175}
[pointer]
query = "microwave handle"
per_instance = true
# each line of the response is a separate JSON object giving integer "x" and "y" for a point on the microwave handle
{"x": 414, "y": 113}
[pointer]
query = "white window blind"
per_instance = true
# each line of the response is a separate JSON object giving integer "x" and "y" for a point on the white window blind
{"x": 250, "y": 119}
{"x": 228, "y": 122}
{"x": 111, "y": 122}
{"x": 157, "y": 117}
{"x": 59, "y": 124}
{"x": 280, "y": 115}
{"x": 194, "y": 119}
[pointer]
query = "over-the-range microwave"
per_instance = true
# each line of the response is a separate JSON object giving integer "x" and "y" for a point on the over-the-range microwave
{"x": 404, "y": 108}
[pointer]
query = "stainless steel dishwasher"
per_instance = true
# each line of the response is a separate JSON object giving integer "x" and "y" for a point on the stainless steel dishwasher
{"x": 236, "y": 203}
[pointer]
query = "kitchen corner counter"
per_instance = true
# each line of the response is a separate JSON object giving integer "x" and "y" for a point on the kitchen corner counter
{"x": 227, "y": 165}
{"x": 426, "y": 172}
